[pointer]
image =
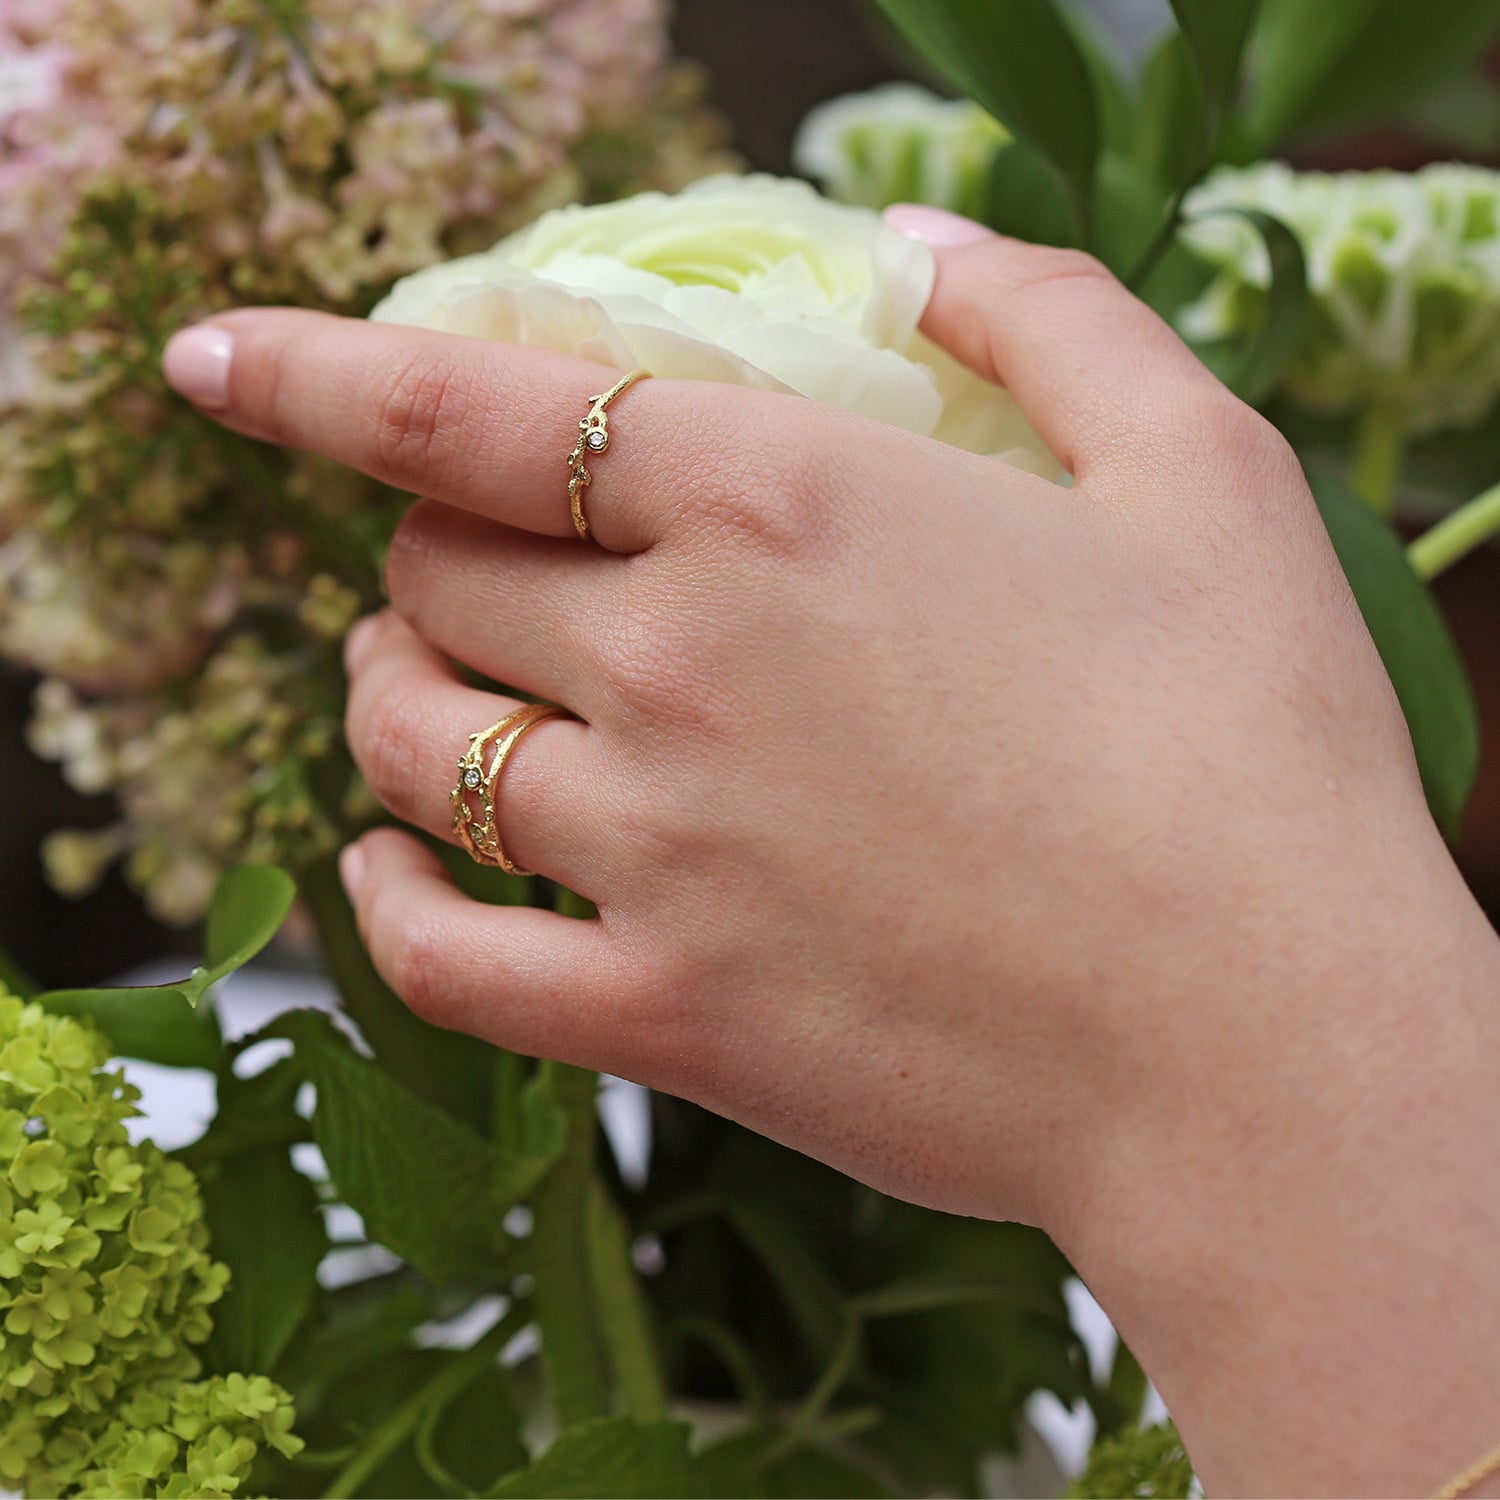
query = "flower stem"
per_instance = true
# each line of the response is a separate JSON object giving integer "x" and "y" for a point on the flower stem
{"x": 798, "y": 1432}
{"x": 1161, "y": 242}
{"x": 439, "y": 1391}
{"x": 573, "y": 1356}
{"x": 1375, "y": 468}
{"x": 623, "y": 1317}
{"x": 1455, "y": 536}
{"x": 1127, "y": 1384}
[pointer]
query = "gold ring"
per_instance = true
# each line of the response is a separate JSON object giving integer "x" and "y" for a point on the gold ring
{"x": 477, "y": 830}
{"x": 593, "y": 437}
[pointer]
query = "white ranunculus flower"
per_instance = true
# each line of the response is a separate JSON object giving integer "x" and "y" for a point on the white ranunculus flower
{"x": 746, "y": 280}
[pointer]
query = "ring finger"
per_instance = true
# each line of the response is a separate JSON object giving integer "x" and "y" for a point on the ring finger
{"x": 409, "y": 719}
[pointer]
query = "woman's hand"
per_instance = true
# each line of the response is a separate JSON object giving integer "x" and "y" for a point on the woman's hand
{"x": 1025, "y": 851}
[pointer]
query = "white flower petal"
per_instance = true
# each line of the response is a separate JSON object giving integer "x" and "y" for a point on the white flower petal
{"x": 743, "y": 280}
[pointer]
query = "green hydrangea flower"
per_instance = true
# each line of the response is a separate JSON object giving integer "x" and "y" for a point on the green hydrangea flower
{"x": 1404, "y": 271}
{"x": 900, "y": 144}
{"x": 1146, "y": 1463}
{"x": 106, "y": 1282}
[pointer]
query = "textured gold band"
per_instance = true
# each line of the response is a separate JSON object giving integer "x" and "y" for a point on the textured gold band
{"x": 1461, "y": 1484}
{"x": 474, "y": 796}
{"x": 593, "y": 438}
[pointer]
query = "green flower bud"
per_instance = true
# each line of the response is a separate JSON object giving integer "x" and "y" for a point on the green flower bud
{"x": 900, "y": 143}
{"x": 1404, "y": 271}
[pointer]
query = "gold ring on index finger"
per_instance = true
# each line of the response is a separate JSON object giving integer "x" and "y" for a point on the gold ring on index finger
{"x": 593, "y": 438}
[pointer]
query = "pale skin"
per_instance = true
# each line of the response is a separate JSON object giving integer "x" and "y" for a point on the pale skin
{"x": 1026, "y": 852}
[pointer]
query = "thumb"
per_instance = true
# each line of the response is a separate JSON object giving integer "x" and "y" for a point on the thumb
{"x": 1105, "y": 382}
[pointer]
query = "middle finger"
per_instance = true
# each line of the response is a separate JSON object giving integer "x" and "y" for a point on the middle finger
{"x": 525, "y": 610}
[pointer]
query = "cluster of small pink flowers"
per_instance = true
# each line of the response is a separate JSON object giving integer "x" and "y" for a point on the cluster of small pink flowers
{"x": 182, "y": 589}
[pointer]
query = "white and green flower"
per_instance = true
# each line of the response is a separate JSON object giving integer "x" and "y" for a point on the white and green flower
{"x": 1404, "y": 272}
{"x": 900, "y": 144}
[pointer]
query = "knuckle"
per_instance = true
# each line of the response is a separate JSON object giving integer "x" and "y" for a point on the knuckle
{"x": 1252, "y": 455}
{"x": 417, "y": 406}
{"x": 385, "y": 736}
{"x": 1041, "y": 265}
{"x": 770, "y": 502}
{"x": 271, "y": 376}
{"x": 776, "y": 518}
{"x": 415, "y": 961}
{"x": 662, "y": 677}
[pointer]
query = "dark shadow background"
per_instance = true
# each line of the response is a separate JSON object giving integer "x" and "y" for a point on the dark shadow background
{"x": 768, "y": 63}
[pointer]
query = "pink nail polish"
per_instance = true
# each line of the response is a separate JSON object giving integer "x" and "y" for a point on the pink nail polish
{"x": 352, "y": 863}
{"x": 196, "y": 364}
{"x": 937, "y": 226}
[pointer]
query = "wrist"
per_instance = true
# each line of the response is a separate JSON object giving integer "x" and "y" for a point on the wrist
{"x": 1298, "y": 1238}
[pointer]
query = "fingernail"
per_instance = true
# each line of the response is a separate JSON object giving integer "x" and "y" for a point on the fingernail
{"x": 935, "y": 225}
{"x": 357, "y": 642}
{"x": 196, "y": 364}
{"x": 352, "y": 864}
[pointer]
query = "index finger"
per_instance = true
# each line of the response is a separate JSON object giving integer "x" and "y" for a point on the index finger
{"x": 481, "y": 425}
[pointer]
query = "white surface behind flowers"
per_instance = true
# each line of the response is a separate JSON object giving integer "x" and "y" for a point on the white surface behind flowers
{"x": 179, "y": 1104}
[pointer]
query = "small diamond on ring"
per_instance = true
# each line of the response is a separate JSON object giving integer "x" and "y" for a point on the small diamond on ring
{"x": 598, "y": 440}
{"x": 472, "y": 777}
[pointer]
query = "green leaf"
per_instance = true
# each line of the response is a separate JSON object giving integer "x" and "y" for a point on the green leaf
{"x": 1018, "y": 60}
{"x": 14, "y": 979}
{"x": 157, "y": 1024}
{"x": 811, "y": 1295}
{"x": 1025, "y": 199}
{"x": 359, "y": 1327}
{"x": 1296, "y": 49}
{"x": 248, "y": 907}
{"x": 263, "y": 1219}
{"x": 735, "y": 1467}
{"x": 1132, "y": 207}
{"x": 475, "y": 1436}
{"x": 609, "y": 1457}
{"x": 954, "y": 1369}
{"x": 1252, "y": 371}
{"x": 1414, "y": 643}
{"x": 1165, "y": 144}
{"x": 1107, "y": 72}
{"x": 1318, "y": 68}
{"x": 264, "y": 1222}
{"x": 1215, "y": 32}
{"x": 454, "y": 1071}
{"x": 542, "y": 1133}
{"x": 420, "y": 1179}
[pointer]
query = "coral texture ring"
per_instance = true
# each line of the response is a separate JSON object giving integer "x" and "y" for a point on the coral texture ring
{"x": 474, "y": 794}
{"x": 593, "y": 439}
